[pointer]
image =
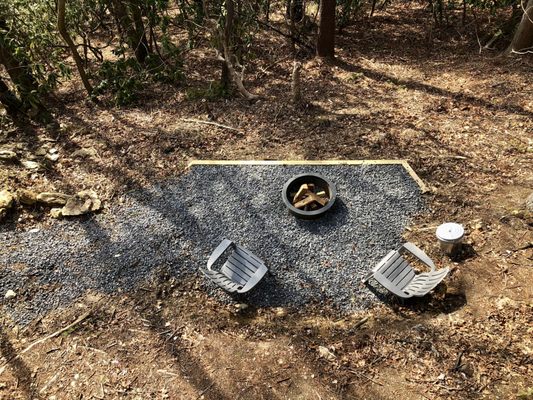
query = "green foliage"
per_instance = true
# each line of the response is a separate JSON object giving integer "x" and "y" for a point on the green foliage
{"x": 347, "y": 11}
{"x": 30, "y": 35}
{"x": 124, "y": 78}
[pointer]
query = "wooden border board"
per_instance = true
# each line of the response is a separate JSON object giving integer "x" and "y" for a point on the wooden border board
{"x": 403, "y": 163}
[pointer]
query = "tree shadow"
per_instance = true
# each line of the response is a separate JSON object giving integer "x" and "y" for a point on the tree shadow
{"x": 189, "y": 365}
{"x": 438, "y": 301}
{"x": 20, "y": 370}
{"x": 423, "y": 87}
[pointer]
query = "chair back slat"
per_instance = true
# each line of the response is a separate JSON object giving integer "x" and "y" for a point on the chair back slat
{"x": 404, "y": 278}
{"x": 401, "y": 266}
{"x": 240, "y": 272}
{"x": 395, "y": 273}
{"x": 391, "y": 264}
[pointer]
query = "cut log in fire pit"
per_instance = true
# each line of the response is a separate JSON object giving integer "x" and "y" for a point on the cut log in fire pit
{"x": 308, "y": 196}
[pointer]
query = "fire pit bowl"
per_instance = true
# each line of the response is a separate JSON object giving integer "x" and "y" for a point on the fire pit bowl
{"x": 321, "y": 184}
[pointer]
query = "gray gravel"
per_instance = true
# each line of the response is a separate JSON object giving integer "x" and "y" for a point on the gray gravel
{"x": 178, "y": 223}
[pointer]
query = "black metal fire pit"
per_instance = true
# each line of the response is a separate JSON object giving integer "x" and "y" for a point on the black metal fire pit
{"x": 293, "y": 185}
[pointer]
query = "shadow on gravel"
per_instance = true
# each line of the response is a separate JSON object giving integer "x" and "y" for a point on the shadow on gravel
{"x": 267, "y": 292}
{"x": 176, "y": 226}
{"x": 21, "y": 372}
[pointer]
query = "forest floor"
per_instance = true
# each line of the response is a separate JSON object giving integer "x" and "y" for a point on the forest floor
{"x": 462, "y": 119}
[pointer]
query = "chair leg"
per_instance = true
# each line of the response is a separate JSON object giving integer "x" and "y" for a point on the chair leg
{"x": 367, "y": 277}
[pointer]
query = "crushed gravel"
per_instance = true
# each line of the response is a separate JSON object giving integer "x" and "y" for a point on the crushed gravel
{"x": 176, "y": 225}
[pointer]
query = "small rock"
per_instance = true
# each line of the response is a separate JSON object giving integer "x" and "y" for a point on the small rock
{"x": 6, "y": 199}
{"x": 324, "y": 352}
{"x": 10, "y": 294}
{"x": 241, "y": 306}
{"x": 280, "y": 311}
{"x": 56, "y": 213}
{"x": 82, "y": 203}
{"x": 529, "y": 203}
{"x": 27, "y": 197}
{"x": 41, "y": 151}
{"x": 85, "y": 152}
{"x": 477, "y": 224}
{"x": 53, "y": 199}
{"x": 8, "y": 155}
{"x": 6, "y": 202}
{"x": 30, "y": 164}
{"x": 505, "y": 303}
{"x": 52, "y": 157}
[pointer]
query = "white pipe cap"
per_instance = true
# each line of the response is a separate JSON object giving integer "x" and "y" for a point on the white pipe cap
{"x": 450, "y": 232}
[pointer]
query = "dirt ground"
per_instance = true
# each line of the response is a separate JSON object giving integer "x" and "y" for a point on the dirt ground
{"x": 396, "y": 91}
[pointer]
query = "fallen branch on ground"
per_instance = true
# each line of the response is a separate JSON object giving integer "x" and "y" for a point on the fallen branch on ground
{"x": 199, "y": 121}
{"x": 360, "y": 323}
{"x": 44, "y": 339}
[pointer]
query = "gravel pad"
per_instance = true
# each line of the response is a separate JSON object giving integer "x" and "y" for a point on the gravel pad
{"x": 177, "y": 224}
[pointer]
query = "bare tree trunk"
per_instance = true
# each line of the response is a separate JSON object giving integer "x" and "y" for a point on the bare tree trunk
{"x": 325, "y": 46}
{"x": 225, "y": 76}
{"x": 18, "y": 72}
{"x": 132, "y": 32}
{"x": 295, "y": 84}
{"x": 11, "y": 103}
{"x": 63, "y": 31}
{"x": 123, "y": 21}
{"x": 199, "y": 14}
{"x": 523, "y": 37}
{"x": 295, "y": 10}
{"x": 229, "y": 70}
{"x": 139, "y": 39}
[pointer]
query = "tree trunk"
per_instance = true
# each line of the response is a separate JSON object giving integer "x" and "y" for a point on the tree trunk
{"x": 127, "y": 27}
{"x": 523, "y": 37}
{"x": 199, "y": 13}
{"x": 295, "y": 10}
{"x": 140, "y": 43}
{"x": 11, "y": 103}
{"x": 296, "y": 88}
{"x": 325, "y": 45}
{"x": 227, "y": 43}
{"x": 63, "y": 31}
{"x": 228, "y": 70}
{"x": 122, "y": 19}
